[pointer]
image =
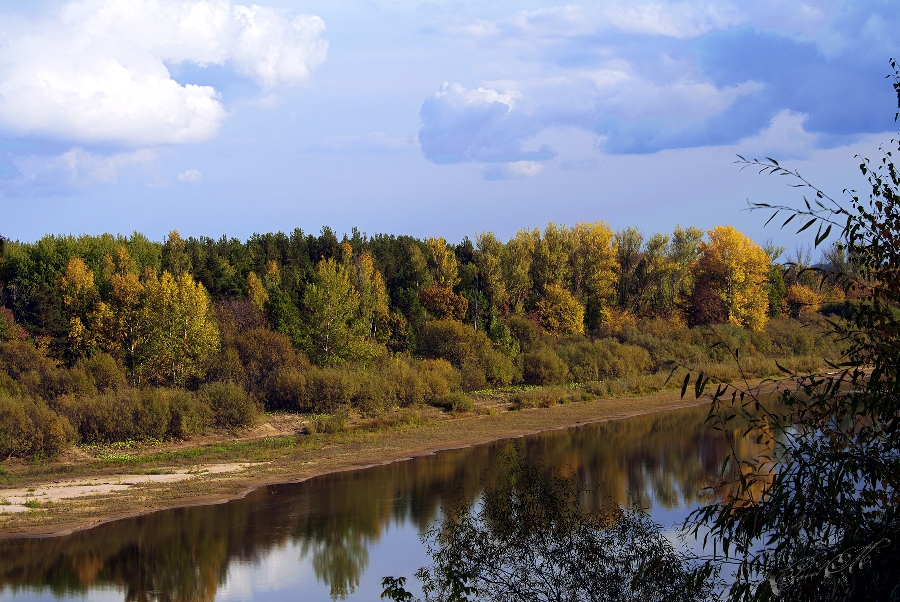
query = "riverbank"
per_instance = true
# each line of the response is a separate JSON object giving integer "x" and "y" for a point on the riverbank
{"x": 89, "y": 486}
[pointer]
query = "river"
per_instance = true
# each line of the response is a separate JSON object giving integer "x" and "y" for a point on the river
{"x": 335, "y": 536}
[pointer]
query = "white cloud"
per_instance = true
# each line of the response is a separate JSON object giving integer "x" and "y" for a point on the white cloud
{"x": 78, "y": 167}
{"x": 785, "y": 138}
{"x": 96, "y": 72}
{"x": 191, "y": 176}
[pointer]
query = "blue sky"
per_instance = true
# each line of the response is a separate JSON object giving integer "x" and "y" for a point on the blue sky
{"x": 429, "y": 118}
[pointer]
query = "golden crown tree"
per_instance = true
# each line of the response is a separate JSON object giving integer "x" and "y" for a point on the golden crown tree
{"x": 737, "y": 269}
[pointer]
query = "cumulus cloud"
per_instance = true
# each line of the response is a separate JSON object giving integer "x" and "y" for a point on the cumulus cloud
{"x": 78, "y": 167}
{"x": 645, "y": 77}
{"x": 461, "y": 125}
{"x": 191, "y": 176}
{"x": 96, "y": 72}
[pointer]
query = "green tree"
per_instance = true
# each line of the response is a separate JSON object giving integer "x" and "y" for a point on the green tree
{"x": 179, "y": 330}
{"x": 332, "y": 321}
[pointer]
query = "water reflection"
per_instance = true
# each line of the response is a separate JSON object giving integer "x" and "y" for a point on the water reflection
{"x": 331, "y": 525}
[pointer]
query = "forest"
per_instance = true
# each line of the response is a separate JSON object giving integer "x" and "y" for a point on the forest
{"x": 112, "y": 338}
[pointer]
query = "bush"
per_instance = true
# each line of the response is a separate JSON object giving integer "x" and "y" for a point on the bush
{"x": 472, "y": 377}
{"x": 453, "y": 341}
{"x": 529, "y": 335}
{"x": 28, "y": 428}
{"x": 370, "y": 396}
{"x": 130, "y": 414}
{"x": 455, "y": 402}
{"x": 328, "y": 390}
{"x": 263, "y": 353}
{"x": 328, "y": 423}
{"x": 405, "y": 385}
{"x": 539, "y": 398}
{"x": 544, "y": 367}
{"x": 103, "y": 372}
{"x": 230, "y": 404}
{"x": 499, "y": 369}
{"x": 288, "y": 390}
{"x": 439, "y": 379}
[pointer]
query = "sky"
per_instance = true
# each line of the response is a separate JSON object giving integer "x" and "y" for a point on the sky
{"x": 439, "y": 118}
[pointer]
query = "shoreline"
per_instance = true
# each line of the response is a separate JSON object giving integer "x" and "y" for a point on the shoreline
{"x": 346, "y": 452}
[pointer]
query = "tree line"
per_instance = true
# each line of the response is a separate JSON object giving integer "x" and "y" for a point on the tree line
{"x": 320, "y": 324}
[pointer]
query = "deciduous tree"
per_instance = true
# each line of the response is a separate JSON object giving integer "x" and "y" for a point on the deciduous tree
{"x": 737, "y": 268}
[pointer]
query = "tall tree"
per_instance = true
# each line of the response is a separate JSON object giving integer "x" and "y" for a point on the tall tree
{"x": 738, "y": 270}
{"x": 332, "y": 320}
{"x": 180, "y": 329}
{"x": 516, "y": 263}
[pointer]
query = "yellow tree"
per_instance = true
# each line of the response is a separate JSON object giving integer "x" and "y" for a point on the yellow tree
{"x": 178, "y": 329}
{"x": 374, "y": 307}
{"x": 516, "y": 261}
{"x": 490, "y": 269}
{"x": 442, "y": 263}
{"x": 559, "y": 311}
{"x": 592, "y": 261}
{"x": 79, "y": 298}
{"x": 737, "y": 269}
{"x": 550, "y": 264}
{"x": 256, "y": 292}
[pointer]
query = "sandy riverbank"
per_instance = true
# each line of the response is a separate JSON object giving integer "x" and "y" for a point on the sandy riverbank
{"x": 88, "y": 487}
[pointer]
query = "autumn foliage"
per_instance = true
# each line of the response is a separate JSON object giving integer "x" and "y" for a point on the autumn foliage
{"x": 95, "y": 325}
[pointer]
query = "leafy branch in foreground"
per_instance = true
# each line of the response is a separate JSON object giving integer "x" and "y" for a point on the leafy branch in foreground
{"x": 530, "y": 540}
{"x": 817, "y": 518}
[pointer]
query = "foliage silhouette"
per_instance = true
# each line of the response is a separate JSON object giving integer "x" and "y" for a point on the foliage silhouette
{"x": 818, "y": 518}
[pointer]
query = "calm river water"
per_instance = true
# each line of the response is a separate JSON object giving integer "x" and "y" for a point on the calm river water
{"x": 336, "y": 536}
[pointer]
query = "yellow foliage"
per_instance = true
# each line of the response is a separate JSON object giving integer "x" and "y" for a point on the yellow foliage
{"x": 256, "y": 292}
{"x": 76, "y": 284}
{"x": 592, "y": 259}
{"x": 560, "y": 312}
{"x": 802, "y": 300}
{"x": 442, "y": 261}
{"x": 738, "y": 269}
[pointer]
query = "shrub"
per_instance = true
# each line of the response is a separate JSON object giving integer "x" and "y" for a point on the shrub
{"x": 527, "y": 332}
{"x": 328, "y": 423}
{"x": 472, "y": 377}
{"x": 539, "y": 398}
{"x": 263, "y": 353}
{"x": 288, "y": 390}
{"x": 456, "y": 402}
{"x": 439, "y": 378}
{"x": 499, "y": 369}
{"x": 226, "y": 365}
{"x": 405, "y": 384}
{"x": 103, "y": 372}
{"x": 130, "y": 414}
{"x": 370, "y": 396}
{"x": 544, "y": 367}
{"x": 453, "y": 341}
{"x": 328, "y": 390}
{"x": 28, "y": 428}
{"x": 230, "y": 404}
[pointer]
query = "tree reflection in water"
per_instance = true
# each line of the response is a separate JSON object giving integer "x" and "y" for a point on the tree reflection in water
{"x": 185, "y": 554}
